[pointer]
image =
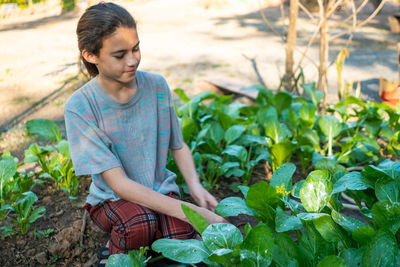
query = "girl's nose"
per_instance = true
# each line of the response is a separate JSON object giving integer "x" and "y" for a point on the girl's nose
{"x": 132, "y": 59}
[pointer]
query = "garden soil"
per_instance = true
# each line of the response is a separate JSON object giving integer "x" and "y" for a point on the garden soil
{"x": 187, "y": 41}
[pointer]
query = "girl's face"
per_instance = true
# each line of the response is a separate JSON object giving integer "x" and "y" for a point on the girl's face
{"x": 119, "y": 56}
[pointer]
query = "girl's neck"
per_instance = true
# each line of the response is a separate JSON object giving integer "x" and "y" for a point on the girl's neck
{"x": 120, "y": 92}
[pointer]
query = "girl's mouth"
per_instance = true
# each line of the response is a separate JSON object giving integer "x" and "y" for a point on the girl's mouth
{"x": 131, "y": 72}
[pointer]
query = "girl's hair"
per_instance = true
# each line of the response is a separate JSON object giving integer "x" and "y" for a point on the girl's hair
{"x": 98, "y": 22}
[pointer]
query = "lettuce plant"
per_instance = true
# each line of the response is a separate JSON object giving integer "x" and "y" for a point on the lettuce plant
{"x": 306, "y": 229}
{"x": 25, "y": 212}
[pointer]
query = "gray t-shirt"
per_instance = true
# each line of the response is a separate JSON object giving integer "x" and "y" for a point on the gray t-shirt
{"x": 103, "y": 134}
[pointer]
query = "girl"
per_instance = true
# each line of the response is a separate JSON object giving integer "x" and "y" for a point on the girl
{"x": 120, "y": 126}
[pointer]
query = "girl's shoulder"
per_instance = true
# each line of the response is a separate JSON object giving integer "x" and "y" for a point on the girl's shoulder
{"x": 82, "y": 97}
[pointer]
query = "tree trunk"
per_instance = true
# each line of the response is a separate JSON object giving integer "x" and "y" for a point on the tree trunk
{"x": 324, "y": 50}
{"x": 288, "y": 78}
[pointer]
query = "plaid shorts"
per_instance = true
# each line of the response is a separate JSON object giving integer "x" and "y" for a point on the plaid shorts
{"x": 133, "y": 226}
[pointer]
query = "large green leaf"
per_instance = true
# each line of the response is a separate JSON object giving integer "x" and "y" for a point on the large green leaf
{"x": 7, "y": 170}
{"x": 313, "y": 93}
{"x": 285, "y": 222}
{"x": 332, "y": 261}
{"x": 182, "y": 96}
{"x": 118, "y": 260}
{"x": 221, "y": 235}
{"x": 283, "y": 175}
{"x": 309, "y": 137}
{"x": 372, "y": 174}
{"x": 314, "y": 246}
{"x": 236, "y": 151}
{"x": 189, "y": 128}
{"x": 233, "y": 206}
{"x": 276, "y": 131}
{"x": 330, "y": 165}
{"x": 286, "y": 252}
{"x": 352, "y": 256}
{"x": 216, "y": 132}
{"x": 351, "y": 181}
{"x": 244, "y": 190}
{"x": 265, "y": 114}
{"x": 36, "y": 214}
{"x": 189, "y": 109}
{"x": 281, "y": 153}
{"x": 330, "y": 126}
{"x": 330, "y": 231}
{"x": 348, "y": 223}
{"x": 351, "y": 100}
{"x": 224, "y": 256}
{"x": 195, "y": 218}
{"x": 387, "y": 215}
{"x": 44, "y": 128}
{"x": 248, "y": 140}
{"x": 296, "y": 188}
{"x": 310, "y": 216}
{"x": 316, "y": 191}
{"x": 186, "y": 251}
{"x": 257, "y": 247}
{"x": 282, "y": 100}
{"x": 387, "y": 190}
{"x": 307, "y": 114}
{"x": 63, "y": 148}
{"x": 364, "y": 234}
{"x": 263, "y": 198}
{"x": 228, "y": 166}
{"x": 391, "y": 168}
{"x": 233, "y": 133}
{"x": 382, "y": 251}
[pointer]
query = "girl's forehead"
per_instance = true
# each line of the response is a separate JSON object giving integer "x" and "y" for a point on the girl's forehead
{"x": 122, "y": 36}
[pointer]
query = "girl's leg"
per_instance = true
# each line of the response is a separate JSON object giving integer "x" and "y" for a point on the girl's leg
{"x": 170, "y": 227}
{"x": 131, "y": 225}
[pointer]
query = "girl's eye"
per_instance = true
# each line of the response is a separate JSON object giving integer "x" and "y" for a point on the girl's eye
{"x": 136, "y": 48}
{"x": 119, "y": 57}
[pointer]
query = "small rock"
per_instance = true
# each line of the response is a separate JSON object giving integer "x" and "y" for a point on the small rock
{"x": 30, "y": 235}
{"x": 41, "y": 257}
{"x": 21, "y": 243}
{"x": 31, "y": 252}
{"x": 91, "y": 243}
{"x": 60, "y": 249}
{"x": 77, "y": 224}
{"x": 77, "y": 251}
{"x": 46, "y": 200}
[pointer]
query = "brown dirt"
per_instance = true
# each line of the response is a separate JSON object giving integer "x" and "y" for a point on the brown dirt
{"x": 62, "y": 247}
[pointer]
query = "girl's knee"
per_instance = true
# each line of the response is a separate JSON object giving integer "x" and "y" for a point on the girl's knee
{"x": 138, "y": 232}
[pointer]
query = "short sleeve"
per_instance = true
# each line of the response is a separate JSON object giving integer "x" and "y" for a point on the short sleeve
{"x": 176, "y": 139}
{"x": 90, "y": 148}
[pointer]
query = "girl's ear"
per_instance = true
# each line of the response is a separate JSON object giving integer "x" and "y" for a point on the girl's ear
{"x": 89, "y": 57}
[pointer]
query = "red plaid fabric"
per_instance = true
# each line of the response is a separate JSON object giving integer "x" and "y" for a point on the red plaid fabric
{"x": 133, "y": 226}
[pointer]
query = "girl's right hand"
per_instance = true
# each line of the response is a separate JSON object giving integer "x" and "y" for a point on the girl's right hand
{"x": 210, "y": 216}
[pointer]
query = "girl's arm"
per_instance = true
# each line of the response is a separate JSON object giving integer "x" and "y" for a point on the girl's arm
{"x": 134, "y": 192}
{"x": 184, "y": 160}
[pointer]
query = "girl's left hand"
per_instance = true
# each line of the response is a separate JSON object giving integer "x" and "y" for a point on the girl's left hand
{"x": 202, "y": 197}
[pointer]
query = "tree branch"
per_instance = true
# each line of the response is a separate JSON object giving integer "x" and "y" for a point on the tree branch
{"x": 363, "y": 23}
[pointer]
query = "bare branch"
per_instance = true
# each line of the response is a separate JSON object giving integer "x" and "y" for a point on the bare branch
{"x": 364, "y": 22}
{"x": 333, "y": 8}
{"x": 353, "y": 7}
{"x": 353, "y": 14}
{"x": 254, "y": 64}
{"x": 307, "y": 12}
{"x": 321, "y": 21}
{"x": 266, "y": 21}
